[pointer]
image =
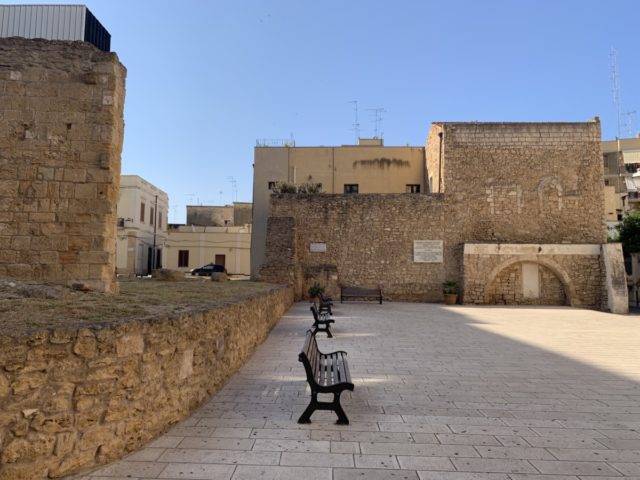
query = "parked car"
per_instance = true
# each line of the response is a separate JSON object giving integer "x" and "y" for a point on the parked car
{"x": 208, "y": 269}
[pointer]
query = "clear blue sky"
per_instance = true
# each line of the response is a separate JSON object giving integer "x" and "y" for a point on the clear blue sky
{"x": 208, "y": 78}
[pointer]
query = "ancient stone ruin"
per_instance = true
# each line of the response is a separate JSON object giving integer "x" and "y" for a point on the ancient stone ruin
{"x": 515, "y": 217}
{"x": 61, "y": 131}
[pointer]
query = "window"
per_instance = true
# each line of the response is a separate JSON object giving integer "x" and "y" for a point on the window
{"x": 413, "y": 188}
{"x": 159, "y": 218}
{"x": 183, "y": 258}
{"x": 271, "y": 185}
{"x": 143, "y": 207}
{"x": 152, "y": 215}
{"x": 350, "y": 188}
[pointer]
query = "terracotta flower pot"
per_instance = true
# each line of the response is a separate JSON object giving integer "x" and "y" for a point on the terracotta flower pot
{"x": 450, "y": 298}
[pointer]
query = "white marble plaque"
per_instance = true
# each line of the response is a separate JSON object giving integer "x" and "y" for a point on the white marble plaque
{"x": 427, "y": 251}
{"x": 318, "y": 247}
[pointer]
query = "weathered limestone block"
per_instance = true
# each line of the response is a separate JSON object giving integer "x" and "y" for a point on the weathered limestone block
{"x": 129, "y": 345}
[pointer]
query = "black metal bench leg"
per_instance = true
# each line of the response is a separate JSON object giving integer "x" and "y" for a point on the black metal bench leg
{"x": 306, "y": 415}
{"x": 342, "y": 417}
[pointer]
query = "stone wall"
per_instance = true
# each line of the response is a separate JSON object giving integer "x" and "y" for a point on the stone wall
{"x": 505, "y": 184}
{"x": 61, "y": 131}
{"x": 72, "y": 399}
{"x": 368, "y": 240}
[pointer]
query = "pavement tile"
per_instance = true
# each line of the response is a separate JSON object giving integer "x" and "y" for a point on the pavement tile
{"x": 231, "y": 423}
{"x": 376, "y": 461}
{"x": 524, "y": 453}
{"x": 626, "y": 468}
{"x": 428, "y": 475}
{"x": 618, "y": 443}
{"x": 591, "y": 455}
{"x": 574, "y": 468}
{"x": 316, "y": 459}
{"x": 220, "y": 456}
{"x": 284, "y": 434}
{"x": 217, "y": 443}
{"x": 461, "y": 439}
{"x": 562, "y": 442}
{"x": 423, "y": 449}
{"x": 373, "y": 474}
{"x": 126, "y": 468}
{"x": 231, "y": 432}
{"x": 279, "y": 445}
{"x": 345, "y": 447}
{"x": 197, "y": 471}
{"x": 376, "y": 437}
{"x": 425, "y": 463}
{"x": 490, "y": 465}
{"x": 148, "y": 454}
{"x": 249, "y": 472}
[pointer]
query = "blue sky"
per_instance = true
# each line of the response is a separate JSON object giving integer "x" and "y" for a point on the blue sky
{"x": 206, "y": 79}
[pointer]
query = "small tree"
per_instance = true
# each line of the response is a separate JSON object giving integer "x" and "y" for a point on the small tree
{"x": 629, "y": 231}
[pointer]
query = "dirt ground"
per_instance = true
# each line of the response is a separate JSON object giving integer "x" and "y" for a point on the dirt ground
{"x": 28, "y": 306}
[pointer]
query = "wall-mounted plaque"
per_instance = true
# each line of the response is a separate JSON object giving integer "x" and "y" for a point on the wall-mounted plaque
{"x": 427, "y": 251}
{"x": 318, "y": 247}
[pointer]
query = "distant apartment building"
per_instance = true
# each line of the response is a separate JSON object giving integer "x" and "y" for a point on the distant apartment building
{"x": 191, "y": 246}
{"x": 142, "y": 226}
{"x": 368, "y": 167}
{"x": 213, "y": 234}
{"x": 219, "y": 216}
{"x": 621, "y": 159}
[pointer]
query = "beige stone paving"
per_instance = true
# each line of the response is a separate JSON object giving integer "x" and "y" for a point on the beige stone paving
{"x": 446, "y": 393}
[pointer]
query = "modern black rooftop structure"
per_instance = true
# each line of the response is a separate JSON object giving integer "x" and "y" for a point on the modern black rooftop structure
{"x": 53, "y": 22}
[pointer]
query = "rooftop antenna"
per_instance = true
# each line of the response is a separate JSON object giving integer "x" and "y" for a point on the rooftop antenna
{"x": 355, "y": 125}
{"x": 376, "y": 113}
{"x": 625, "y": 119}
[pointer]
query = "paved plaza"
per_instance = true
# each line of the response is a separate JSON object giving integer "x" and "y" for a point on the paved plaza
{"x": 451, "y": 393}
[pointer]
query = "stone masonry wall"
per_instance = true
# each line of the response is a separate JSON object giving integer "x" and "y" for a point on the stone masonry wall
{"x": 72, "y": 399}
{"x": 522, "y": 183}
{"x": 368, "y": 237}
{"x": 61, "y": 131}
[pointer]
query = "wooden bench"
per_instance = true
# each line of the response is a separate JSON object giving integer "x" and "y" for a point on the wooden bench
{"x": 321, "y": 321}
{"x": 325, "y": 304}
{"x": 326, "y": 373}
{"x": 357, "y": 292}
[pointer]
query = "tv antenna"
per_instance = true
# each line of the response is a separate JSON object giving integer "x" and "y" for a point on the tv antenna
{"x": 376, "y": 113}
{"x": 625, "y": 119}
{"x": 355, "y": 126}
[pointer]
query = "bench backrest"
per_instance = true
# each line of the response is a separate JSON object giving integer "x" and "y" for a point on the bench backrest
{"x": 310, "y": 356}
{"x": 316, "y": 314}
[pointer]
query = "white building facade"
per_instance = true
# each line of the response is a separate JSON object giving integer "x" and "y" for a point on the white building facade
{"x": 142, "y": 226}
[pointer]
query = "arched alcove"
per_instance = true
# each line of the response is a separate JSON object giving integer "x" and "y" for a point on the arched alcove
{"x": 529, "y": 280}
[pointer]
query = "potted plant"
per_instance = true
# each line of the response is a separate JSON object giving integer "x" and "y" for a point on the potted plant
{"x": 450, "y": 291}
{"x": 314, "y": 291}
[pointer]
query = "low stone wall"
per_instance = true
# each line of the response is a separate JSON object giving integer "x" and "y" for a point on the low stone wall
{"x": 73, "y": 399}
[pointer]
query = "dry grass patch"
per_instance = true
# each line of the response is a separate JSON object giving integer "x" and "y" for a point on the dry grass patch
{"x": 25, "y": 306}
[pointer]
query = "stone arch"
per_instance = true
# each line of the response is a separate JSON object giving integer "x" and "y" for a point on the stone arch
{"x": 554, "y": 267}
{"x": 553, "y": 183}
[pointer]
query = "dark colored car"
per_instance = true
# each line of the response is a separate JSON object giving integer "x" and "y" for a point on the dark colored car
{"x": 208, "y": 269}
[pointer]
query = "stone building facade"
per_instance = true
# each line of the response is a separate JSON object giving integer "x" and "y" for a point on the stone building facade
{"x": 500, "y": 184}
{"x": 61, "y": 131}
